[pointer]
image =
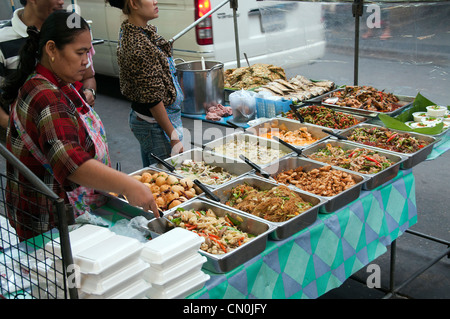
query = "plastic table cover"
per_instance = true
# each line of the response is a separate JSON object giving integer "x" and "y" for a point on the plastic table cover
{"x": 322, "y": 256}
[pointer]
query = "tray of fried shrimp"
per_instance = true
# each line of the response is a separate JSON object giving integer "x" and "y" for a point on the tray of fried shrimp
{"x": 231, "y": 237}
{"x": 288, "y": 210}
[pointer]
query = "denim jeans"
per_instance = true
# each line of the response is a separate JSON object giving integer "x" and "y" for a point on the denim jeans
{"x": 151, "y": 138}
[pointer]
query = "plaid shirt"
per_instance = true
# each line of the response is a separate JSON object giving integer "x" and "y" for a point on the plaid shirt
{"x": 54, "y": 125}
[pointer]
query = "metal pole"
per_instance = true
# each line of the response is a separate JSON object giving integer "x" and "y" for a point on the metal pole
{"x": 177, "y": 36}
{"x": 357, "y": 10}
{"x": 66, "y": 251}
{"x": 392, "y": 268}
{"x": 234, "y": 6}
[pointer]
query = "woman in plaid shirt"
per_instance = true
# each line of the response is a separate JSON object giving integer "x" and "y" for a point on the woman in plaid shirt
{"x": 55, "y": 133}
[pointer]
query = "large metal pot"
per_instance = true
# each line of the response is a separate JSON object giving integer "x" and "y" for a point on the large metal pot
{"x": 202, "y": 88}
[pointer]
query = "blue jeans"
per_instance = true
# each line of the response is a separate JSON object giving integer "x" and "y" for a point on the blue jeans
{"x": 151, "y": 138}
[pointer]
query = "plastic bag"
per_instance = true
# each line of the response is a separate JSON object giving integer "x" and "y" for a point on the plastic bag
{"x": 243, "y": 105}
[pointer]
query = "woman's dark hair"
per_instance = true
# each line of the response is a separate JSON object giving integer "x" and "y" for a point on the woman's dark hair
{"x": 60, "y": 27}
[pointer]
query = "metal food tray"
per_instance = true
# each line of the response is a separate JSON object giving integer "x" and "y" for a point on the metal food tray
{"x": 225, "y": 262}
{"x": 289, "y": 125}
{"x": 283, "y": 229}
{"x": 333, "y": 202}
{"x": 122, "y": 205}
{"x": 360, "y": 118}
{"x": 412, "y": 159}
{"x": 374, "y": 180}
{"x": 230, "y": 165}
{"x": 404, "y": 101}
{"x": 247, "y": 137}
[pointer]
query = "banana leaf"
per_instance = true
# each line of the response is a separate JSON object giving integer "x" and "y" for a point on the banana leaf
{"x": 419, "y": 105}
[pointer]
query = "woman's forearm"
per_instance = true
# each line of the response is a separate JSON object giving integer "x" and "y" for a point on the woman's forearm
{"x": 93, "y": 174}
{"x": 160, "y": 114}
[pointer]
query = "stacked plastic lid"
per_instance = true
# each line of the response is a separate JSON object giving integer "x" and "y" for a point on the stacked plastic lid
{"x": 175, "y": 264}
{"x": 110, "y": 265}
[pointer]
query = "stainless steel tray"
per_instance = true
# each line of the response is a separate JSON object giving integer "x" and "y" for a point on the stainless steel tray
{"x": 360, "y": 118}
{"x": 122, "y": 205}
{"x": 333, "y": 202}
{"x": 374, "y": 180}
{"x": 289, "y": 125}
{"x": 283, "y": 229}
{"x": 412, "y": 158}
{"x": 404, "y": 101}
{"x": 230, "y": 260}
{"x": 230, "y": 165}
{"x": 239, "y": 136}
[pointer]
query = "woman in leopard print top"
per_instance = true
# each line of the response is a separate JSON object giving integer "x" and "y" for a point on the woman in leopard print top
{"x": 148, "y": 79}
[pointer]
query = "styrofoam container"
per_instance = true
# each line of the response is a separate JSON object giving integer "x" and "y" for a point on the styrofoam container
{"x": 108, "y": 255}
{"x": 171, "y": 247}
{"x": 92, "y": 284}
{"x": 111, "y": 293}
{"x": 137, "y": 290}
{"x": 80, "y": 239}
{"x": 168, "y": 276}
{"x": 182, "y": 289}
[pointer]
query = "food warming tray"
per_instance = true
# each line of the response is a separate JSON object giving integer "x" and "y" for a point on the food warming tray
{"x": 230, "y": 165}
{"x": 123, "y": 207}
{"x": 239, "y": 136}
{"x": 374, "y": 180}
{"x": 250, "y": 224}
{"x": 289, "y": 125}
{"x": 360, "y": 118}
{"x": 404, "y": 101}
{"x": 333, "y": 202}
{"x": 412, "y": 159}
{"x": 283, "y": 229}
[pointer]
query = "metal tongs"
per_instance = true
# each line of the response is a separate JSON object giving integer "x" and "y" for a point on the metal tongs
{"x": 294, "y": 110}
{"x": 254, "y": 166}
{"x": 206, "y": 190}
{"x": 292, "y": 147}
{"x": 341, "y": 137}
{"x": 163, "y": 162}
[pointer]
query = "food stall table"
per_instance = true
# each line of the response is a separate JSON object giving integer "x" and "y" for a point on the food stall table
{"x": 322, "y": 256}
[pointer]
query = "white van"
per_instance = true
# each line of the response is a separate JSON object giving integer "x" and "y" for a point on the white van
{"x": 283, "y": 33}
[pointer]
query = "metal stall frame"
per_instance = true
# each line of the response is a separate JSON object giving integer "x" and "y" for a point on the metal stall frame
{"x": 32, "y": 268}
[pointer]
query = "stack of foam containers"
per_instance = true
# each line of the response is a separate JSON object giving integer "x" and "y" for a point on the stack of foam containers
{"x": 175, "y": 264}
{"x": 110, "y": 265}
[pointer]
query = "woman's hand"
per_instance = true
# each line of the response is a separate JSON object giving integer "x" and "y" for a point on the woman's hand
{"x": 138, "y": 194}
{"x": 177, "y": 147}
{"x": 96, "y": 175}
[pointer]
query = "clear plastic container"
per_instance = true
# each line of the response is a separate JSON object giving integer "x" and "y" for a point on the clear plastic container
{"x": 170, "y": 248}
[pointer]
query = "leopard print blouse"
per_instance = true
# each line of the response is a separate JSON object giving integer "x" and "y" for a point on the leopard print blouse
{"x": 143, "y": 68}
